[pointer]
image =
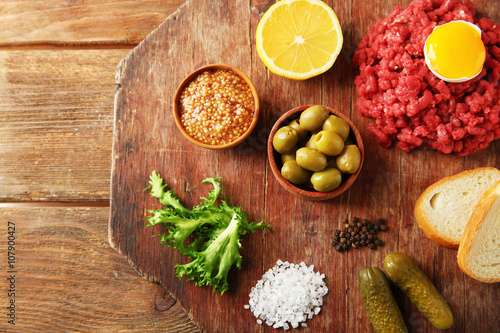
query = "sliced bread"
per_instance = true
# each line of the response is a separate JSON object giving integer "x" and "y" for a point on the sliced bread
{"x": 444, "y": 208}
{"x": 479, "y": 251}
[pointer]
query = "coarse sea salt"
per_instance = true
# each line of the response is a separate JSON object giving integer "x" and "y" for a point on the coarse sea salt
{"x": 288, "y": 295}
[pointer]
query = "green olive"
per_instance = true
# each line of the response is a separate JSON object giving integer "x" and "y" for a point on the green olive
{"x": 310, "y": 142}
{"x": 285, "y": 139}
{"x": 290, "y": 156}
{"x": 294, "y": 173}
{"x": 326, "y": 180}
{"x": 338, "y": 125}
{"x": 302, "y": 133}
{"x": 313, "y": 117}
{"x": 310, "y": 159}
{"x": 349, "y": 159}
{"x": 329, "y": 143}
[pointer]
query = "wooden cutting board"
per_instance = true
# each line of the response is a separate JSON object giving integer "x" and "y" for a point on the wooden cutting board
{"x": 146, "y": 139}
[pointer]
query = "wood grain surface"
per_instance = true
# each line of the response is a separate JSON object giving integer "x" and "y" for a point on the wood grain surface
{"x": 146, "y": 139}
{"x": 68, "y": 279}
{"x": 43, "y": 23}
{"x": 57, "y": 68}
{"x": 56, "y": 124}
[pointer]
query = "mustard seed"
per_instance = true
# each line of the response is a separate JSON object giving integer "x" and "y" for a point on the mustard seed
{"x": 217, "y": 107}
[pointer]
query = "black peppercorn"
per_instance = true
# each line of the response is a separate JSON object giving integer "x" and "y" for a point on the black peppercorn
{"x": 357, "y": 233}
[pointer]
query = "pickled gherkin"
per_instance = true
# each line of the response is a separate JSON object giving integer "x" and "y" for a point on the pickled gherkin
{"x": 404, "y": 272}
{"x": 379, "y": 303}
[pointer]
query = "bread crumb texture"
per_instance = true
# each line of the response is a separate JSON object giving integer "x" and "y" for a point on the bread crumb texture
{"x": 445, "y": 207}
{"x": 479, "y": 252}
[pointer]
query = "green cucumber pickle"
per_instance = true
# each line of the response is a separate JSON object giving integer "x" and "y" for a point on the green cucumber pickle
{"x": 404, "y": 272}
{"x": 379, "y": 303}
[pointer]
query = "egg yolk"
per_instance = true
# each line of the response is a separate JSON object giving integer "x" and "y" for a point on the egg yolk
{"x": 455, "y": 50}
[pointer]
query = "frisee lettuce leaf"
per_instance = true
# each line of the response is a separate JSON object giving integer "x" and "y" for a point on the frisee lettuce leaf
{"x": 208, "y": 233}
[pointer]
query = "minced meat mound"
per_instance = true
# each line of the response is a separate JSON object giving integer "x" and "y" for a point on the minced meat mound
{"x": 411, "y": 105}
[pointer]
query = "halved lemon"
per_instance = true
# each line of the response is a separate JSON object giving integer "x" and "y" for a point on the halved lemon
{"x": 299, "y": 39}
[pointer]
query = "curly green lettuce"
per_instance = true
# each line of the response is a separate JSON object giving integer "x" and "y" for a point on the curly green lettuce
{"x": 208, "y": 233}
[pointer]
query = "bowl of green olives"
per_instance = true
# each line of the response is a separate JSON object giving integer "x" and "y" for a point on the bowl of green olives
{"x": 315, "y": 152}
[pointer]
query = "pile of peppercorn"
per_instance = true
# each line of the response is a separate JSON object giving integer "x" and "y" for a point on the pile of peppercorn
{"x": 358, "y": 233}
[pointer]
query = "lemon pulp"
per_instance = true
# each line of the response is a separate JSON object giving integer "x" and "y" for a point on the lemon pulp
{"x": 299, "y": 38}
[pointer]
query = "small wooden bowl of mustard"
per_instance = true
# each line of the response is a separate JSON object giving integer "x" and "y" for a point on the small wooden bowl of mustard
{"x": 216, "y": 106}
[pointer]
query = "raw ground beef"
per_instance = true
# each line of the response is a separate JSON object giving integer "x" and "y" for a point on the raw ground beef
{"x": 412, "y": 106}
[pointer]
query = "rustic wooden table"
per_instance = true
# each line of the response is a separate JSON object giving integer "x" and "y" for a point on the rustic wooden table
{"x": 57, "y": 87}
{"x": 57, "y": 82}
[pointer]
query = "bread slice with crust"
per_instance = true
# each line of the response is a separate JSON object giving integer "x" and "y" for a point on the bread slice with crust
{"x": 444, "y": 208}
{"x": 479, "y": 251}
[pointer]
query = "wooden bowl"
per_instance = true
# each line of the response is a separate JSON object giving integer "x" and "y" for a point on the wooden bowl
{"x": 189, "y": 78}
{"x": 303, "y": 192}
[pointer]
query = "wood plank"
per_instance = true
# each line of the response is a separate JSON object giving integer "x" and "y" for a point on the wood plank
{"x": 68, "y": 278}
{"x": 147, "y": 139}
{"x": 56, "y": 111}
{"x": 77, "y": 22}
{"x": 163, "y": 149}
